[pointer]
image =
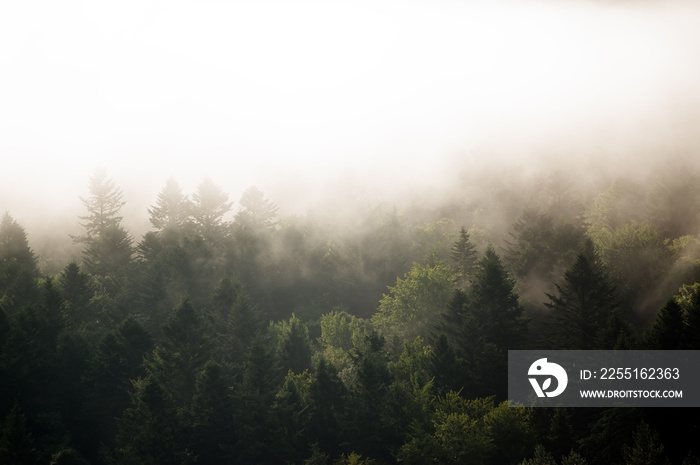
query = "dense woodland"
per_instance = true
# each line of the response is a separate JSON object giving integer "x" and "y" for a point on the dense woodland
{"x": 231, "y": 333}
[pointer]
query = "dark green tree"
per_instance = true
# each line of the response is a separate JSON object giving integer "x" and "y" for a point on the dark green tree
{"x": 18, "y": 267}
{"x": 584, "y": 303}
{"x": 494, "y": 322}
{"x": 181, "y": 354}
{"x": 77, "y": 291}
{"x": 668, "y": 331}
{"x": 16, "y": 441}
{"x": 327, "y": 408}
{"x": 444, "y": 367}
{"x": 213, "y": 417}
{"x": 294, "y": 346}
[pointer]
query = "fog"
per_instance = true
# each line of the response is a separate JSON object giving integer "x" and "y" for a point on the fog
{"x": 315, "y": 102}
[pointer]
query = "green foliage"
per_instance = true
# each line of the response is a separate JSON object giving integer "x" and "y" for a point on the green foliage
{"x": 16, "y": 441}
{"x": 18, "y": 269}
{"x": 541, "y": 457}
{"x": 464, "y": 256}
{"x": 646, "y": 448}
{"x": 414, "y": 304}
{"x": 172, "y": 209}
{"x": 582, "y": 307}
{"x": 340, "y": 334}
{"x": 294, "y": 345}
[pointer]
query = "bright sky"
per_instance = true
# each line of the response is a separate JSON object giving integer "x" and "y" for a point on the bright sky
{"x": 282, "y": 93}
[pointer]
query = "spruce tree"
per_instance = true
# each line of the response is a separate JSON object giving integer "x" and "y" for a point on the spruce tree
{"x": 464, "y": 257}
{"x": 584, "y": 303}
{"x": 108, "y": 247}
{"x": 172, "y": 209}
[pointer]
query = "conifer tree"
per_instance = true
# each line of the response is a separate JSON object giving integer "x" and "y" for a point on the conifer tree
{"x": 172, "y": 209}
{"x": 464, "y": 256}
{"x": 18, "y": 268}
{"x": 257, "y": 213}
{"x": 583, "y": 305}
{"x": 209, "y": 205}
{"x": 108, "y": 247}
{"x": 16, "y": 441}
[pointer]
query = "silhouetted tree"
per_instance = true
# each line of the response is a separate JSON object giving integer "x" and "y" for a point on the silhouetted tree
{"x": 16, "y": 441}
{"x": 18, "y": 268}
{"x": 583, "y": 305}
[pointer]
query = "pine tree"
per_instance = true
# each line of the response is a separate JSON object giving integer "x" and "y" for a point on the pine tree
{"x": 668, "y": 331}
{"x": 209, "y": 205}
{"x": 493, "y": 324}
{"x": 108, "y": 247}
{"x": 647, "y": 448}
{"x": 257, "y": 213}
{"x": 583, "y": 305}
{"x": 103, "y": 207}
{"x": 18, "y": 267}
{"x": 294, "y": 346}
{"x": 181, "y": 354}
{"x": 76, "y": 291}
{"x": 16, "y": 441}
{"x": 464, "y": 256}
{"x": 172, "y": 209}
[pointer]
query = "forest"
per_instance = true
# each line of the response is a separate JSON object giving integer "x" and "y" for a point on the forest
{"x": 374, "y": 332}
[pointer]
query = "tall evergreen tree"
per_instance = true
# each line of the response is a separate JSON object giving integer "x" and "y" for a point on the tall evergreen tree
{"x": 209, "y": 205}
{"x": 108, "y": 246}
{"x": 493, "y": 323}
{"x": 18, "y": 267}
{"x": 77, "y": 291}
{"x": 583, "y": 305}
{"x": 172, "y": 209}
{"x": 103, "y": 206}
{"x": 16, "y": 441}
{"x": 257, "y": 213}
{"x": 464, "y": 256}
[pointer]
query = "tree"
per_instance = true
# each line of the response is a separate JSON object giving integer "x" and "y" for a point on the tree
{"x": 326, "y": 414}
{"x": 294, "y": 346}
{"x": 76, "y": 290}
{"x": 16, "y": 441}
{"x": 647, "y": 449}
{"x": 108, "y": 247}
{"x": 108, "y": 252}
{"x": 668, "y": 331}
{"x": 172, "y": 208}
{"x": 493, "y": 324}
{"x": 209, "y": 205}
{"x": 256, "y": 213}
{"x": 464, "y": 256}
{"x": 414, "y": 305}
{"x": 103, "y": 207}
{"x": 18, "y": 269}
{"x": 582, "y": 307}
{"x": 181, "y": 354}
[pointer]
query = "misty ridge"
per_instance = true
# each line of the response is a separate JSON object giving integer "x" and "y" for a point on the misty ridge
{"x": 642, "y": 220}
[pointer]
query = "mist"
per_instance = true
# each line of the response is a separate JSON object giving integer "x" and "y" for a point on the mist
{"x": 429, "y": 107}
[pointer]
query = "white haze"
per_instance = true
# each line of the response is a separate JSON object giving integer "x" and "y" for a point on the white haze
{"x": 299, "y": 97}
